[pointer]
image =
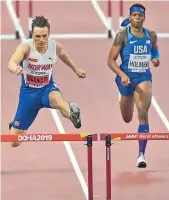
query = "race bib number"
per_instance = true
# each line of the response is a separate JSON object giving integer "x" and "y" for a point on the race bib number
{"x": 138, "y": 63}
{"x": 37, "y": 80}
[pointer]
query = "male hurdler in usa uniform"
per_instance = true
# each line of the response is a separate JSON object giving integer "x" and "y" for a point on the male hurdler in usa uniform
{"x": 137, "y": 46}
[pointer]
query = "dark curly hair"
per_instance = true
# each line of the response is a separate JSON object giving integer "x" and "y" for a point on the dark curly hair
{"x": 41, "y": 22}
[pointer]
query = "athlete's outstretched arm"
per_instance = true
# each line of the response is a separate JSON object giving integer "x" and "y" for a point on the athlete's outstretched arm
{"x": 17, "y": 57}
{"x": 155, "y": 56}
{"x": 64, "y": 56}
{"x": 114, "y": 53}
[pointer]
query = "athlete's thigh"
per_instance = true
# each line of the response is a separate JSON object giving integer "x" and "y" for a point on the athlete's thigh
{"x": 51, "y": 93}
{"x": 127, "y": 107}
{"x": 143, "y": 94}
{"x": 126, "y": 103}
{"x": 126, "y": 99}
{"x": 28, "y": 108}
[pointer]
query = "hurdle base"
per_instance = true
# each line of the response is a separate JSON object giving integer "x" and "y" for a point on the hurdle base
{"x": 17, "y": 36}
{"x": 30, "y": 34}
{"x": 109, "y": 34}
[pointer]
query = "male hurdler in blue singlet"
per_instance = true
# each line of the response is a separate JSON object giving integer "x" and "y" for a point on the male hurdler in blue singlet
{"x": 137, "y": 46}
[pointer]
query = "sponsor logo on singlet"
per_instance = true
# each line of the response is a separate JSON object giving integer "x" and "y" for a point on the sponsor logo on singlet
{"x": 33, "y": 59}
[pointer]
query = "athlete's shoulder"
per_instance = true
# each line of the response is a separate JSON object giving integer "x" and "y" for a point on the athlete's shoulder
{"x": 153, "y": 36}
{"x": 52, "y": 44}
{"x": 51, "y": 41}
{"x": 23, "y": 47}
{"x": 122, "y": 32}
{"x": 124, "y": 29}
{"x": 120, "y": 37}
{"x": 27, "y": 45}
{"x": 151, "y": 32}
{"x": 58, "y": 47}
{"x": 28, "y": 41}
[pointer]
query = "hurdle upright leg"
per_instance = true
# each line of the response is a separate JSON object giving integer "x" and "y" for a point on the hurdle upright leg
{"x": 30, "y": 18}
{"x": 90, "y": 167}
{"x": 17, "y": 8}
{"x": 108, "y": 167}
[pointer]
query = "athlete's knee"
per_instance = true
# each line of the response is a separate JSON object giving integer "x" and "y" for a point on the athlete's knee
{"x": 127, "y": 116}
{"x": 15, "y": 144}
{"x": 56, "y": 100}
{"x": 142, "y": 113}
{"x": 127, "y": 119}
{"x": 57, "y": 103}
{"x": 14, "y": 131}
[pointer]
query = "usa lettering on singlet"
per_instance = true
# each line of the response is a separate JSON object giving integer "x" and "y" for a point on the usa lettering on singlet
{"x": 38, "y": 68}
{"x": 136, "y": 54}
{"x": 139, "y": 61}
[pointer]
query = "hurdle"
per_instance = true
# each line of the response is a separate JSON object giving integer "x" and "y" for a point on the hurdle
{"x": 89, "y": 138}
{"x": 17, "y": 7}
{"x": 14, "y": 9}
{"x": 109, "y": 137}
{"x": 106, "y": 19}
{"x": 30, "y": 17}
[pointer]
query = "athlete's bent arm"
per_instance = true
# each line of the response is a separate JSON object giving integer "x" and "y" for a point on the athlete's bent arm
{"x": 113, "y": 55}
{"x": 155, "y": 52}
{"x": 17, "y": 57}
{"x": 64, "y": 56}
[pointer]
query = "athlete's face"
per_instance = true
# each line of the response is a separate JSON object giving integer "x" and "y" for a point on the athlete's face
{"x": 137, "y": 19}
{"x": 40, "y": 36}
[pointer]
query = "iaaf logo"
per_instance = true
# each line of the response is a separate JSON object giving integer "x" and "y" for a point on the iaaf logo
{"x": 131, "y": 136}
{"x": 139, "y": 135}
